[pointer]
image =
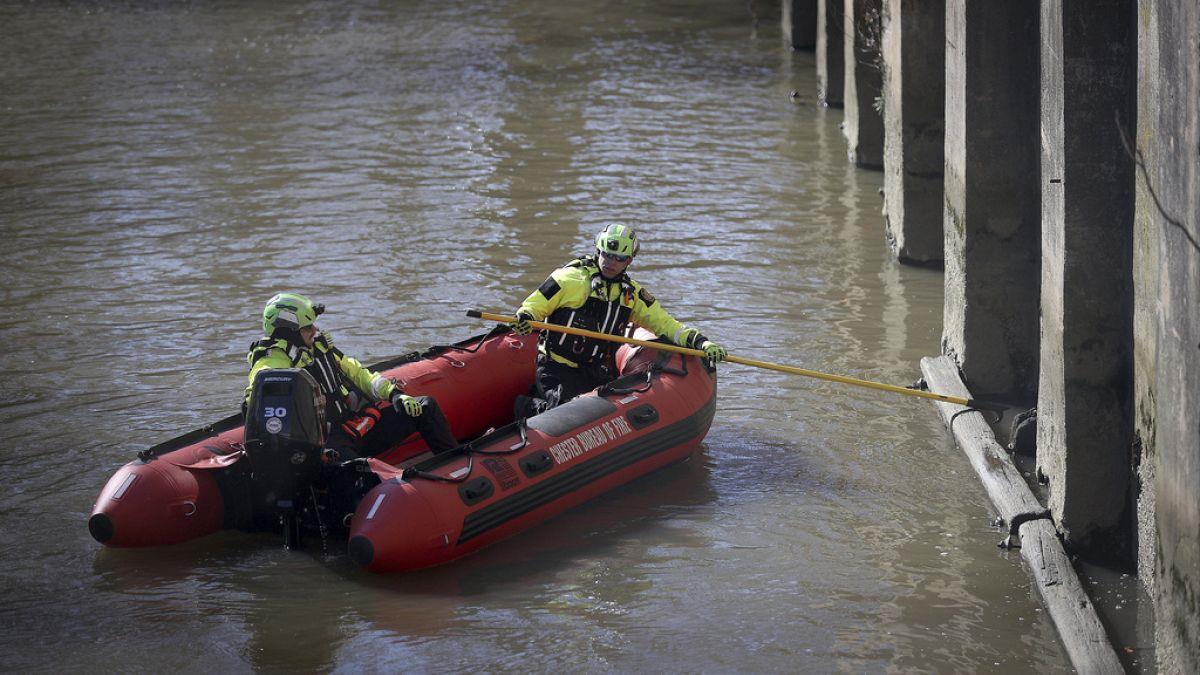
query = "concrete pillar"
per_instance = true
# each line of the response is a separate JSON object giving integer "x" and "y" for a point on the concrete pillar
{"x": 992, "y": 197}
{"x": 863, "y": 126}
{"x": 1085, "y": 384}
{"x": 1168, "y": 139}
{"x": 800, "y": 23}
{"x": 831, "y": 69}
{"x": 1146, "y": 241}
{"x": 914, "y": 113}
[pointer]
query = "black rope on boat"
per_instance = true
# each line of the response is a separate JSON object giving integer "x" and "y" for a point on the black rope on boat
{"x": 437, "y": 350}
{"x": 413, "y": 472}
{"x": 521, "y": 429}
{"x": 194, "y": 436}
{"x": 499, "y": 328}
{"x": 657, "y": 368}
{"x": 610, "y": 390}
{"x": 469, "y": 450}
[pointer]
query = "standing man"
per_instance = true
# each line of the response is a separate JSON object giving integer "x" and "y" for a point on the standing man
{"x": 368, "y": 412}
{"x": 594, "y": 293}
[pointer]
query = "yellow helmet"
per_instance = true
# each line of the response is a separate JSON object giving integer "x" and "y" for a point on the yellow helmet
{"x": 289, "y": 311}
{"x": 618, "y": 240}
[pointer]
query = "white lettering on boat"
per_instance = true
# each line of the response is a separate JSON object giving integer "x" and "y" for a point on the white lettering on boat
{"x": 589, "y": 439}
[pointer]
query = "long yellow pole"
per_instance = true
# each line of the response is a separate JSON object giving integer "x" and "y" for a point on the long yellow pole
{"x": 945, "y": 398}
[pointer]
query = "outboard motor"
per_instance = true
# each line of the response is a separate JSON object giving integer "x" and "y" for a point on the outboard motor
{"x": 285, "y": 435}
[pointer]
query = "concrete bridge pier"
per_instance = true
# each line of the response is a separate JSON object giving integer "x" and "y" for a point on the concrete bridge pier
{"x": 1146, "y": 271}
{"x": 863, "y": 124}
{"x": 1085, "y": 385}
{"x": 831, "y": 57}
{"x": 800, "y": 23}
{"x": 992, "y": 195}
{"x": 914, "y": 113}
{"x": 1168, "y": 203}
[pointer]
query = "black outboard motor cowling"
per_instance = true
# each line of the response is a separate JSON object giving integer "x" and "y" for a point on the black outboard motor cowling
{"x": 285, "y": 435}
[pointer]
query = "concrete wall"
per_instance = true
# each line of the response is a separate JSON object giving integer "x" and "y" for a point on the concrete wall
{"x": 1172, "y": 181}
{"x": 800, "y": 23}
{"x": 831, "y": 56}
{"x": 992, "y": 194}
{"x": 914, "y": 96}
{"x": 1085, "y": 392}
{"x": 863, "y": 125}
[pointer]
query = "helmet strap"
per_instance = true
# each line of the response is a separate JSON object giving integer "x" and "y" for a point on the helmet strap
{"x": 291, "y": 335}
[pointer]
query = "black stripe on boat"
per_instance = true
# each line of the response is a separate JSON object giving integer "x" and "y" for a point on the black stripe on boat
{"x": 572, "y": 479}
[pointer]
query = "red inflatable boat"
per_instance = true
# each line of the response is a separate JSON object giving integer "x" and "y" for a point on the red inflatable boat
{"x": 407, "y": 509}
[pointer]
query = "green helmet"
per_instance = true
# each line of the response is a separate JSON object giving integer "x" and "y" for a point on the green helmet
{"x": 289, "y": 311}
{"x": 618, "y": 239}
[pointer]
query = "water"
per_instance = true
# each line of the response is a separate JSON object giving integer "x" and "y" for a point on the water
{"x": 165, "y": 168}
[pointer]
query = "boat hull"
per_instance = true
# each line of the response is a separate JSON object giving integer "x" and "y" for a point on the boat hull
{"x": 418, "y": 510}
{"x": 191, "y": 486}
{"x": 517, "y": 478}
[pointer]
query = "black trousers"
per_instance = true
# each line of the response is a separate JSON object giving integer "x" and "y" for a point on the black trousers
{"x": 558, "y": 383}
{"x": 394, "y": 426}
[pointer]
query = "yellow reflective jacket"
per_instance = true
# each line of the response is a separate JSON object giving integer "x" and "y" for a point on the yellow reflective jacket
{"x": 577, "y": 295}
{"x": 351, "y": 380}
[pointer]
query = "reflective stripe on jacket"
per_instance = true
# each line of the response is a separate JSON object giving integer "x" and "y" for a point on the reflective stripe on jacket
{"x": 348, "y": 381}
{"x": 577, "y": 295}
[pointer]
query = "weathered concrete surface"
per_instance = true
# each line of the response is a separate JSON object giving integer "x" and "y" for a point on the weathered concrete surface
{"x": 1085, "y": 386}
{"x": 914, "y": 113}
{"x": 863, "y": 125}
{"x": 1074, "y": 616}
{"x": 831, "y": 57}
{"x": 1146, "y": 241}
{"x": 800, "y": 23}
{"x": 992, "y": 195}
{"x": 1172, "y": 159}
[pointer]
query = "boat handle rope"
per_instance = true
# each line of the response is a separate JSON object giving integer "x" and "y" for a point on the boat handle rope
{"x": 413, "y": 472}
{"x": 470, "y": 350}
{"x": 655, "y": 368}
{"x": 470, "y": 451}
{"x": 521, "y": 429}
{"x": 609, "y": 390}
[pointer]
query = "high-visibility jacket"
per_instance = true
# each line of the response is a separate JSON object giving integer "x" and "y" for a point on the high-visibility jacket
{"x": 347, "y": 384}
{"x": 577, "y": 295}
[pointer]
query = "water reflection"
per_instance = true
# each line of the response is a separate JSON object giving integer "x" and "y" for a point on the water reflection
{"x": 164, "y": 169}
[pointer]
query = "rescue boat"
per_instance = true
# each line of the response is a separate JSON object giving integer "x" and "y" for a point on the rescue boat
{"x": 406, "y": 509}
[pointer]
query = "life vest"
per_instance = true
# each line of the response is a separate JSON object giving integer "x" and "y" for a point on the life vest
{"x": 341, "y": 396}
{"x": 598, "y": 314}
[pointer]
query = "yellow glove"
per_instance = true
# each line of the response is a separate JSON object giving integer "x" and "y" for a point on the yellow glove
{"x": 408, "y": 404}
{"x": 713, "y": 351}
{"x": 521, "y": 325}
